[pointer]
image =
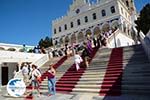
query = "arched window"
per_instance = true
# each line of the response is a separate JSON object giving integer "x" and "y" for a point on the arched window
{"x": 59, "y": 29}
{"x": 65, "y": 26}
{"x": 112, "y": 9}
{"x": 86, "y": 19}
{"x": 71, "y": 24}
{"x": 127, "y": 3}
{"x": 55, "y": 31}
{"x": 78, "y": 22}
{"x": 94, "y": 16}
{"x": 103, "y": 13}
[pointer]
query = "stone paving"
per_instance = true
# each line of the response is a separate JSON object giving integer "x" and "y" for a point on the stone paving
{"x": 83, "y": 96}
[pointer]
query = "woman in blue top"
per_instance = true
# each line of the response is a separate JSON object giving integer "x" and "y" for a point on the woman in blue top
{"x": 51, "y": 80}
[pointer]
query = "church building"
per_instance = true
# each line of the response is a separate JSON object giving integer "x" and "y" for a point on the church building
{"x": 86, "y": 18}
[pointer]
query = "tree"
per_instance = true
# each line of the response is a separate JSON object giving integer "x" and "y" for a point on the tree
{"x": 47, "y": 42}
{"x": 41, "y": 43}
{"x": 143, "y": 21}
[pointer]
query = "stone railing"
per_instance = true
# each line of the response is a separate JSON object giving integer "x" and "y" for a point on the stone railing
{"x": 40, "y": 62}
{"x": 111, "y": 37}
{"x": 10, "y": 56}
{"x": 146, "y": 43}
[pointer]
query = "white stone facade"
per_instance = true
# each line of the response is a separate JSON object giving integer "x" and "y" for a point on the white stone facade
{"x": 93, "y": 19}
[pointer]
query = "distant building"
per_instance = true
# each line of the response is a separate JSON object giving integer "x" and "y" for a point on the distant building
{"x": 84, "y": 18}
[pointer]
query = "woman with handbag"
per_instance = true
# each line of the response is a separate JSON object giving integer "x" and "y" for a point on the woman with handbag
{"x": 36, "y": 78}
{"x": 51, "y": 80}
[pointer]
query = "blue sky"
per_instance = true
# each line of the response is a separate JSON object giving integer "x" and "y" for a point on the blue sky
{"x": 27, "y": 21}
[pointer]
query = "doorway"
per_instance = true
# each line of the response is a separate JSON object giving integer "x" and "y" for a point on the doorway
{"x": 4, "y": 75}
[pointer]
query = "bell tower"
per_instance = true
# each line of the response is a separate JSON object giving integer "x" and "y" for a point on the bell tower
{"x": 78, "y": 3}
{"x": 130, "y": 4}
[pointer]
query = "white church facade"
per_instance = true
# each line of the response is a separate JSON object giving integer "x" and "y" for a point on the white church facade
{"x": 84, "y": 18}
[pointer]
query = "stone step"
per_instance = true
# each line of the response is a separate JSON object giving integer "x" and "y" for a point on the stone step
{"x": 134, "y": 56}
{"x": 109, "y": 70}
{"x": 75, "y": 73}
{"x": 128, "y": 61}
{"x": 137, "y": 65}
{"x": 136, "y": 92}
{"x": 98, "y": 86}
{"x": 86, "y": 90}
{"x": 133, "y": 48}
{"x": 104, "y": 50}
{"x": 100, "y": 78}
{"x": 135, "y": 87}
{"x": 134, "y": 52}
{"x": 99, "y": 82}
{"x": 86, "y": 75}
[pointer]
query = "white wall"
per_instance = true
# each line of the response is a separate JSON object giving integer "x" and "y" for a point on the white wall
{"x": 124, "y": 41}
{"x": 11, "y": 58}
{"x": 15, "y": 46}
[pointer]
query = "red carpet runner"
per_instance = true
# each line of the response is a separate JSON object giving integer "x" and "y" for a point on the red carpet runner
{"x": 111, "y": 85}
{"x": 56, "y": 65}
{"x": 68, "y": 81}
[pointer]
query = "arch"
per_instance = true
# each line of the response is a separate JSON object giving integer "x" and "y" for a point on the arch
{"x": 80, "y": 37}
{"x": 115, "y": 25}
{"x": 88, "y": 33}
{"x": 106, "y": 27}
{"x": 61, "y": 40}
{"x": 97, "y": 31}
{"x": 1, "y": 48}
{"x": 73, "y": 38}
{"x": 66, "y": 39}
{"x": 21, "y": 50}
{"x": 11, "y": 49}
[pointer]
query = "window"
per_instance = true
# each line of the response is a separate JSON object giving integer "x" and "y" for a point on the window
{"x": 103, "y": 13}
{"x": 59, "y": 29}
{"x": 126, "y": 14}
{"x": 94, "y": 16}
{"x": 86, "y": 19}
{"x": 65, "y": 26}
{"x": 55, "y": 31}
{"x": 112, "y": 9}
{"x": 127, "y": 3}
{"x": 78, "y": 22}
{"x": 121, "y": 10}
{"x": 71, "y": 24}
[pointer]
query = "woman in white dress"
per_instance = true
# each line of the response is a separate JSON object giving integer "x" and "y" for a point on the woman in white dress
{"x": 78, "y": 60}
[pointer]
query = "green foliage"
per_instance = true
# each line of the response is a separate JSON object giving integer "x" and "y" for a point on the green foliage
{"x": 143, "y": 21}
{"x": 30, "y": 51}
{"x": 47, "y": 42}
